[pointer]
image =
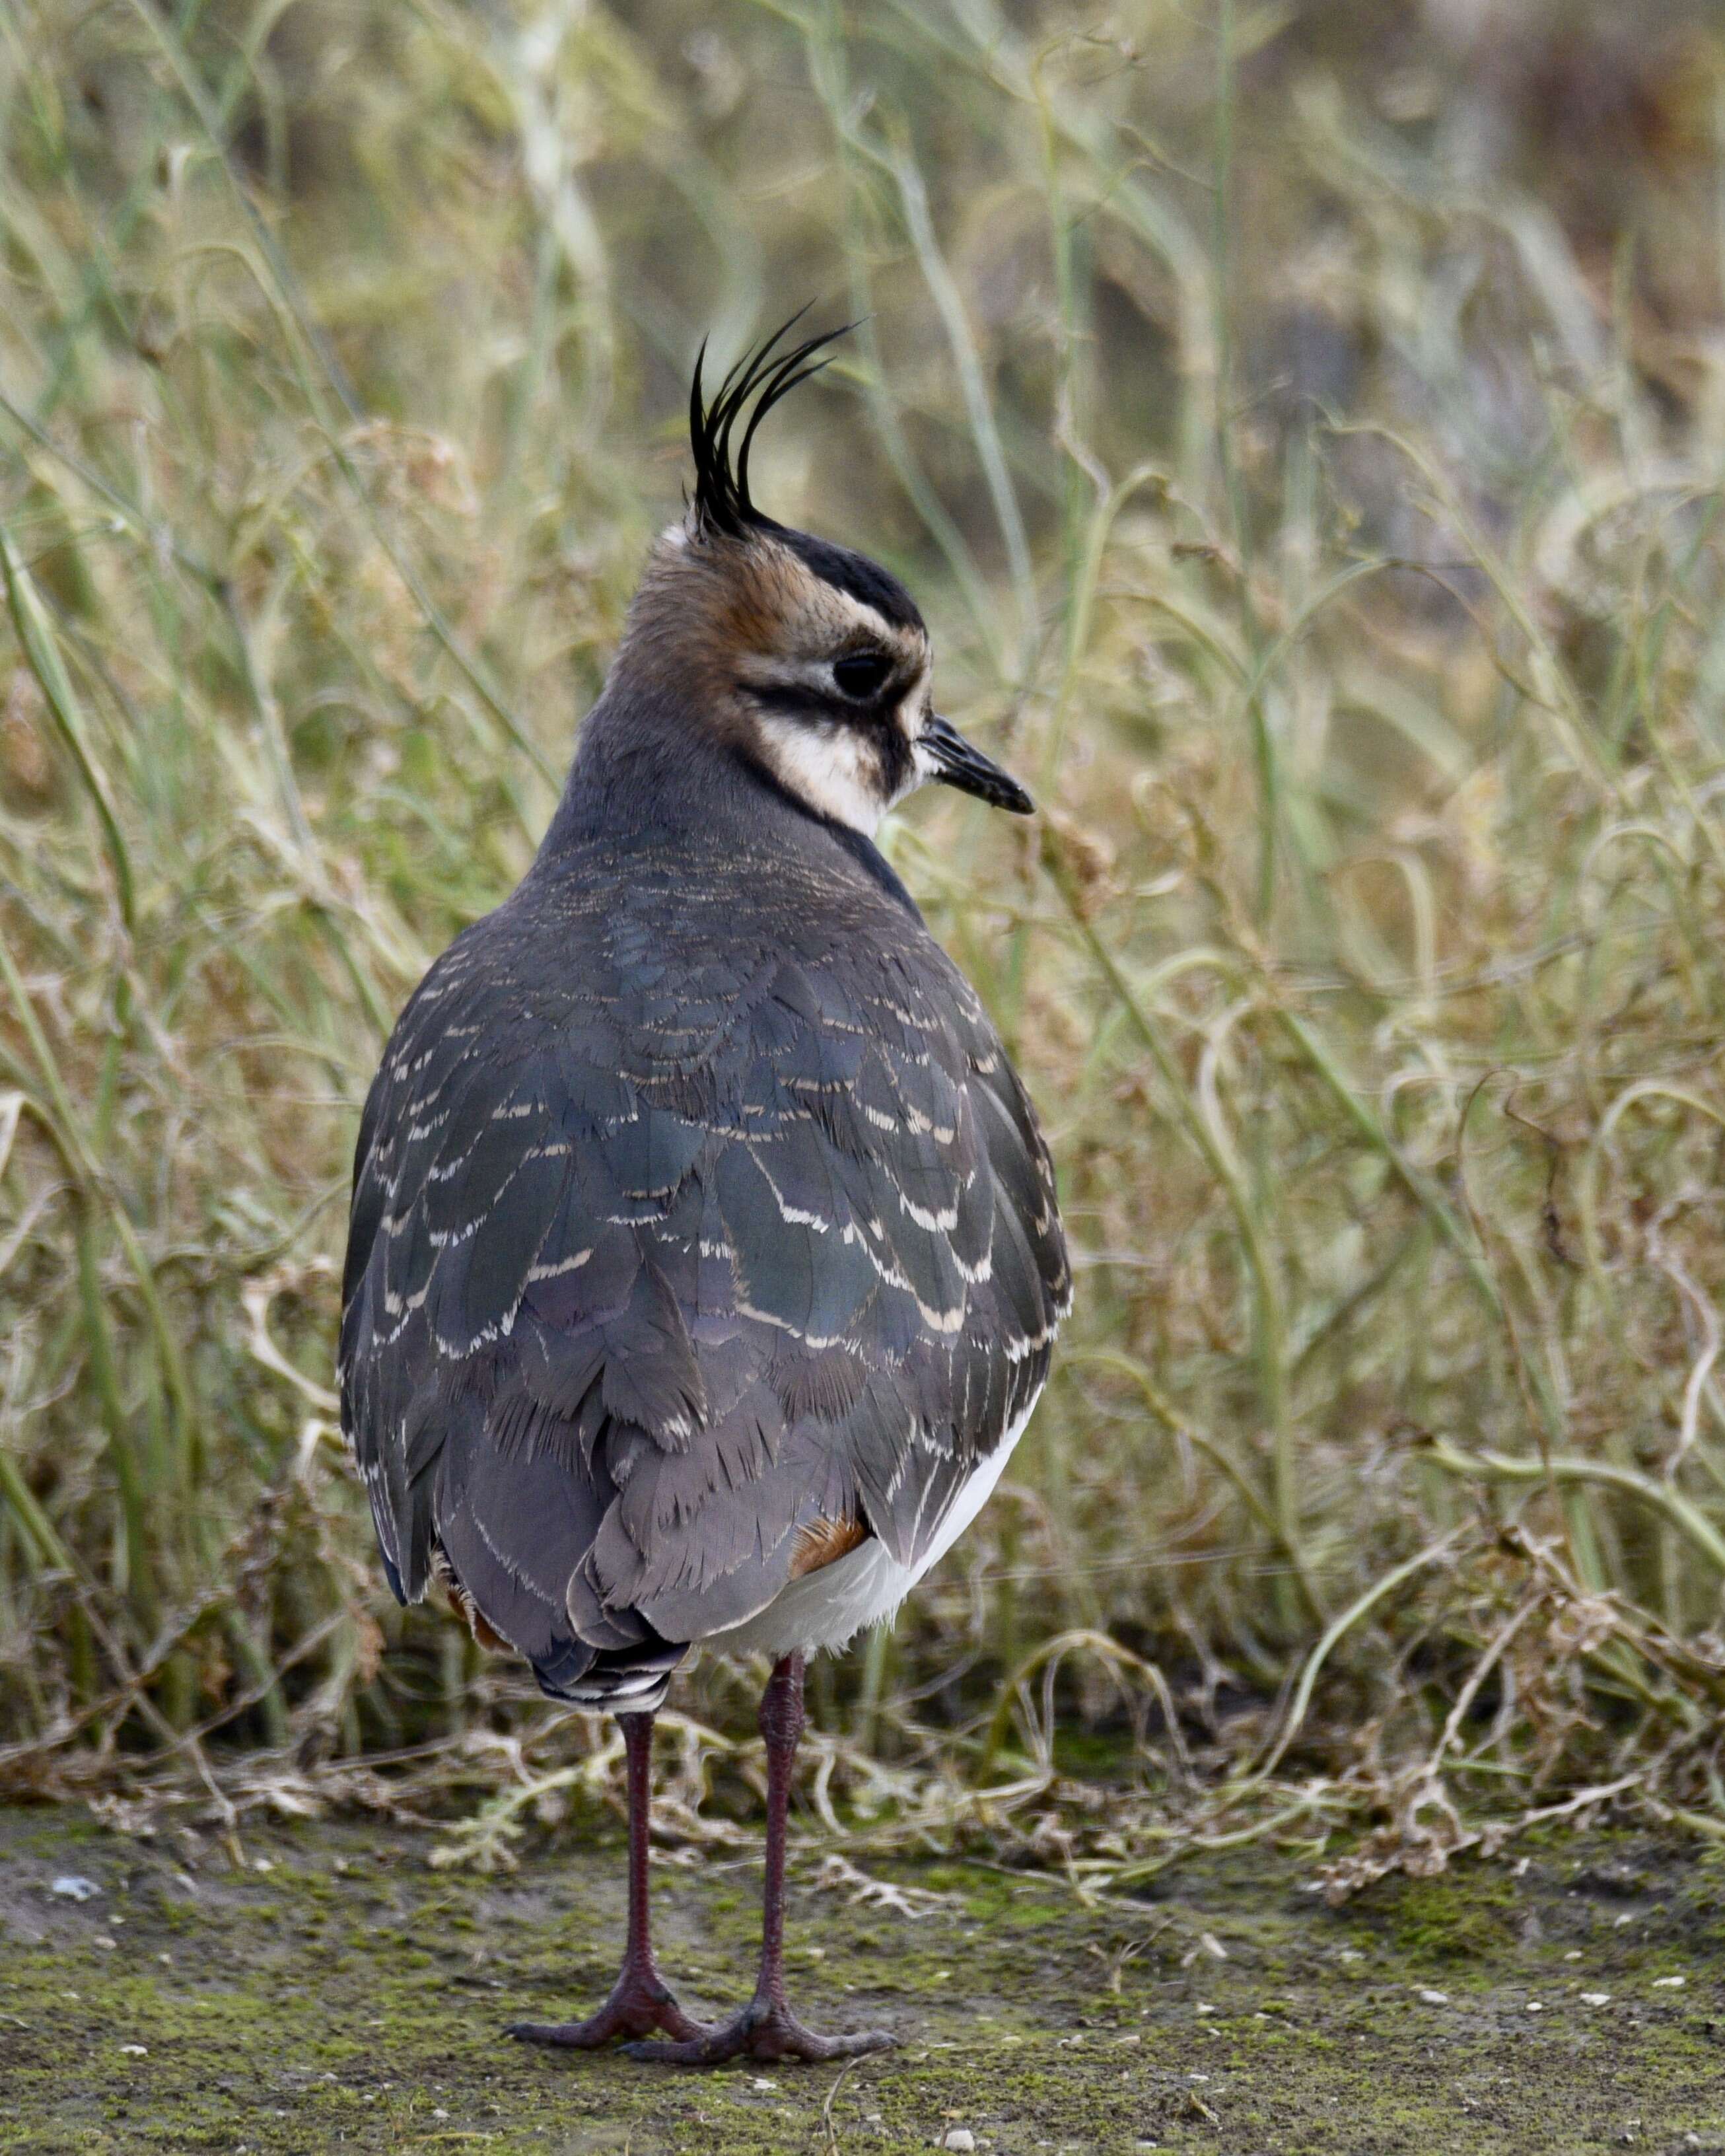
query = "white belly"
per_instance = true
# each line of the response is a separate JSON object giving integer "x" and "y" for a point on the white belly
{"x": 826, "y": 1608}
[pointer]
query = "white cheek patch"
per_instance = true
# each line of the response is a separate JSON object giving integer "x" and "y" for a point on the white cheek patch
{"x": 827, "y": 767}
{"x": 908, "y": 718}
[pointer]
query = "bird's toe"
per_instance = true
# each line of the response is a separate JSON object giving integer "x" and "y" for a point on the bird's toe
{"x": 766, "y": 2032}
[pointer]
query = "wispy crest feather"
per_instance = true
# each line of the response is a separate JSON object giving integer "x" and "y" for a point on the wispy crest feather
{"x": 722, "y": 502}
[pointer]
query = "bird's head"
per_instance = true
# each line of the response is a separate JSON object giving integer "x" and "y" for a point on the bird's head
{"x": 808, "y": 660}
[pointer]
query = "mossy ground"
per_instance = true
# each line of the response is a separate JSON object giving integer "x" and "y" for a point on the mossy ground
{"x": 347, "y": 1996}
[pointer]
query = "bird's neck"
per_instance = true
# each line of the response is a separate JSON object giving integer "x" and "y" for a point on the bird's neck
{"x": 649, "y": 765}
{"x": 642, "y": 762}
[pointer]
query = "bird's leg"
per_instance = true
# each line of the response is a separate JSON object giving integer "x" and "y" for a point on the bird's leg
{"x": 639, "y": 2002}
{"x": 766, "y": 2028}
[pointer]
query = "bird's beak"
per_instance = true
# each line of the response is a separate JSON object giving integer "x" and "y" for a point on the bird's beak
{"x": 944, "y": 754}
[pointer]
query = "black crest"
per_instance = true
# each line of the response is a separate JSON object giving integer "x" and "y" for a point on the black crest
{"x": 721, "y": 484}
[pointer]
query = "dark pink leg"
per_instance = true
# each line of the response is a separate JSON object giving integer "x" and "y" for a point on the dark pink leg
{"x": 766, "y": 2028}
{"x": 639, "y": 2001}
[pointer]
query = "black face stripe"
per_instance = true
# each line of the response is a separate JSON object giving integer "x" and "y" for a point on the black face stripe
{"x": 854, "y": 575}
{"x": 897, "y": 762}
{"x": 865, "y": 714}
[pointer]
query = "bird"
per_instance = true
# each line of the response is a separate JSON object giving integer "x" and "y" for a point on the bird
{"x": 705, "y": 1257}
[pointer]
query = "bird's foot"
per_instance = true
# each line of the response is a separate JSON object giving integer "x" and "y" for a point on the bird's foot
{"x": 641, "y": 2002}
{"x": 767, "y": 2029}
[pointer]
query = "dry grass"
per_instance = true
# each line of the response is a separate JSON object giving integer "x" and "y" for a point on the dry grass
{"x": 1305, "y": 431}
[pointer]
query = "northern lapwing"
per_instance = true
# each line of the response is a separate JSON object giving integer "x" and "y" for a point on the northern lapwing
{"x": 705, "y": 1260}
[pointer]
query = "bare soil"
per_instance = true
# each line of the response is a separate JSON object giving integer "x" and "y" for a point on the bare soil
{"x": 330, "y": 1990}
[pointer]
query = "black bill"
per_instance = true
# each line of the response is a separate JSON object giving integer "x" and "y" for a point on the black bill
{"x": 957, "y": 764}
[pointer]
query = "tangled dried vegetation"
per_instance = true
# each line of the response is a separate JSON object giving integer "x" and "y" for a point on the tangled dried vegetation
{"x": 1306, "y": 429}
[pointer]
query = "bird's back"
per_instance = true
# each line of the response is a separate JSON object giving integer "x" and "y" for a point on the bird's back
{"x": 701, "y": 1227}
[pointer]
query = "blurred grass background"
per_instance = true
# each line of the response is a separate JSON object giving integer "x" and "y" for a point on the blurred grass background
{"x": 1303, "y": 425}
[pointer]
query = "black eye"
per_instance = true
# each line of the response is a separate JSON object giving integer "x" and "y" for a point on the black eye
{"x": 863, "y": 673}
